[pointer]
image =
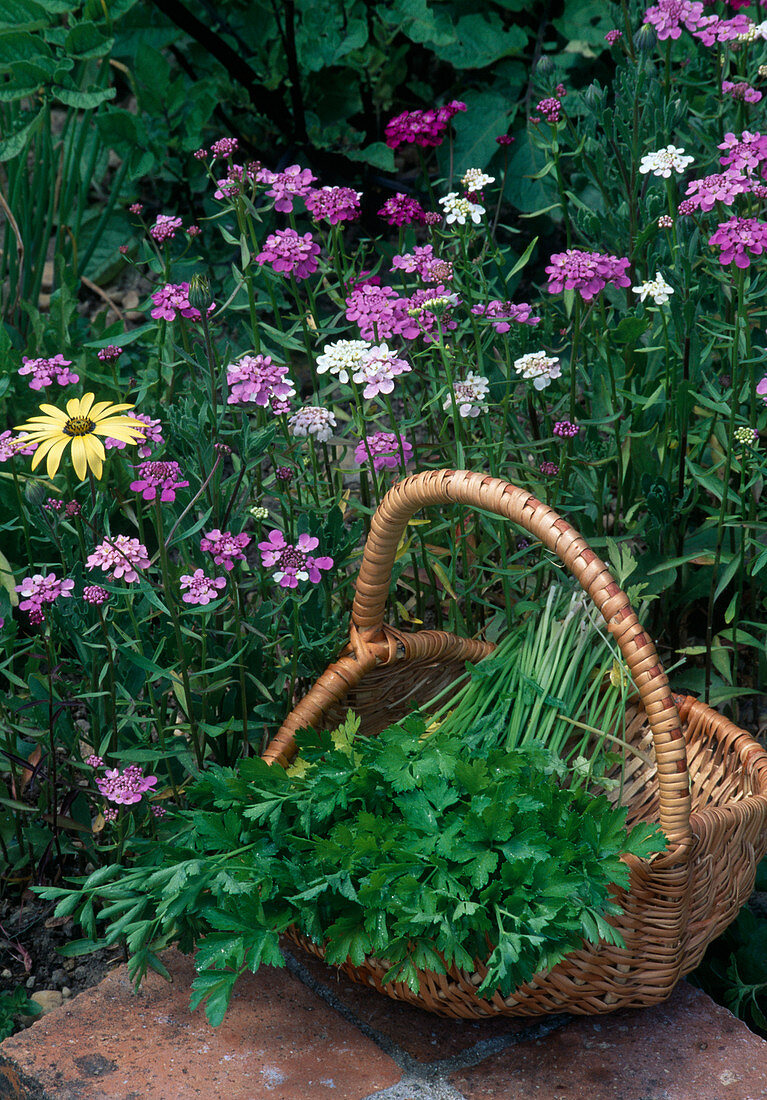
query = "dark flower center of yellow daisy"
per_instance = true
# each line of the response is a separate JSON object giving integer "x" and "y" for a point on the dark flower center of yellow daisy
{"x": 78, "y": 425}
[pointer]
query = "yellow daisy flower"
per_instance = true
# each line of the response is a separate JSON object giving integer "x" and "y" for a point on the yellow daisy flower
{"x": 80, "y": 425}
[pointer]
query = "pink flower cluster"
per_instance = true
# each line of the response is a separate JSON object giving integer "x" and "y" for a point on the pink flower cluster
{"x": 290, "y": 253}
{"x": 173, "y": 299}
{"x": 164, "y": 228}
{"x": 380, "y": 313}
{"x": 401, "y": 209}
{"x": 119, "y": 557}
{"x": 706, "y": 192}
{"x": 503, "y": 314}
{"x": 565, "y": 429}
{"x": 199, "y": 589}
{"x": 292, "y": 563}
{"x": 333, "y": 204}
{"x": 712, "y": 29}
{"x": 39, "y": 591}
{"x": 741, "y": 90}
{"x": 386, "y": 450}
{"x": 550, "y": 108}
{"x": 613, "y": 36}
{"x": 47, "y": 371}
{"x": 159, "y": 477}
{"x": 225, "y": 547}
{"x": 427, "y": 320}
{"x": 745, "y": 152}
{"x": 109, "y": 354}
{"x": 256, "y": 378}
{"x": 424, "y": 128}
{"x": 377, "y": 369}
{"x": 669, "y": 16}
{"x": 95, "y": 594}
{"x": 127, "y": 788}
{"x": 11, "y": 445}
{"x": 294, "y": 183}
{"x": 587, "y": 272}
{"x": 224, "y": 147}
{"x": 737, "y": 237}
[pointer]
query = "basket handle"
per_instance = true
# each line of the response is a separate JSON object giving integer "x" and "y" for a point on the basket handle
{"x": 518, "y": 505}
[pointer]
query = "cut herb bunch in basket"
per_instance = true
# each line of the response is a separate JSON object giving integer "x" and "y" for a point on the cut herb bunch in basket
{"x": 556, "y": 679}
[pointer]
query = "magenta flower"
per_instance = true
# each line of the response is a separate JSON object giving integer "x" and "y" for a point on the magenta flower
{"x": 256, "y": 378}
{"x": 225, "y": 547}
{"x": 549, "y": 469}
{"x": 417, "y": 260}
{"x": 669, "y": 16}
{"x": 95, "y": 594}
{"x": 121, "y": 555}
{"x": 294, "y": 182}
{"x": 289, "y": 253}
{"x": 333, "y": 204}
{"x": 39, "y": 590}
{"x": 720, "y": 187}
{"x": 293, "y": 563}
{"x": 377, "y": 369}
{"x": 613, "y": 36}
{"x": 380, "y": 313}
{"x": 712, "y": 29}
{"x": 11, "y": 445}
{"x": 742, "y": 91}
{"x": 565, "y": 429}
{"x": 47, "y": 371}
{"x": 159, "y": 477}
{"x": 94, "y": 761}
{"x": 386, "y": 450}
{"x": 201, "y": 589}
{"x": 164, "y": 228}
{"x": 401, "y": 209}
{"x": 761, "y": 388}
{"x": 173, "y": 299}
{"x": 745, "y": 152}
{"x": 586, "y": 272}
{"x": 503, "y": 314}
{"x": 127, "y": 788}
{"x": 550, "y": 108}
{"x": 109, "y": 354}
{"x": 737, "y": 237}
{"x": 224, "y": 147}
{"x": 424, "y": 128}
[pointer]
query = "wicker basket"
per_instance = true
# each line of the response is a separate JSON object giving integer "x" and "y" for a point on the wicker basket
{"x": 707, "y": 789}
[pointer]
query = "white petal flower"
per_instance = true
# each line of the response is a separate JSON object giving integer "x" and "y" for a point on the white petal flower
{"x": 539, "y": 368}
{"x": 313, "y": 420}
{"x": 474, "y": 179}
{"x": 342, "y": 358}
{"x": 665, "y": 161}
{"x": 458, "y": 209}
{"x": 469, "y": 395}
{"x": 657, "y": 289}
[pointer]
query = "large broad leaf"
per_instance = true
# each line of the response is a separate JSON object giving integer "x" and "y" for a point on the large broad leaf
{"x": 16, "y": 46}
{"x": 522, "y": 190}
{"x": 480, "y": 41}
{"x": 378, "y": 154}
{"x": 22, "y": 15}
{"x": 84, "y": 99}
{"x": 584, "y": 26}
{"x": 419, "y": 22}
{"x": 11, "y": 146}
{"x": 86, "y": 40}
{"x": 477, "y": 128}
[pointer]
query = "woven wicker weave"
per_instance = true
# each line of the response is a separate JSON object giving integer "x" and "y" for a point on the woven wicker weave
{"x": 707, "y": 788}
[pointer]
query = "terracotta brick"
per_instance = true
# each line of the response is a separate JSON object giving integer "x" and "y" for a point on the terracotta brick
{"x": 424, "y": 1036}
{"x": 686, "y": 1049}
{"x": 279, "y": 1041}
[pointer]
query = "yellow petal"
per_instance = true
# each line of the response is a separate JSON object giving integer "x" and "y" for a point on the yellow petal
{"x": 74, "y": 406}
{"x": 119, "y": 429}
{"x": 78, "y": 457}
{"x": 95, "y": 460}
{"x": 94, "y": 446}
{"x": 51, "y": 410}
{"x": 110, "y": 410}
{"x": 43, "y": 449}
{"x": 85, "y": 403}
{"x": 54, "y": 455}
{"x": 99, "y": 408}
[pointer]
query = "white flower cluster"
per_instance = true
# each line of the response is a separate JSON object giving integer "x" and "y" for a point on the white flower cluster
{"x": 756, "y": 30}
{"x": 657, "y": 289}
{"x": 342, "y": 358}
{"x": 539, "y": 367}
{"x": 665, "y": 161}
{"x": 313, "y": 420}
{"x": 469, "y": 395}
{"x": 474, "y": 179}
{"x": 458, "y": 209}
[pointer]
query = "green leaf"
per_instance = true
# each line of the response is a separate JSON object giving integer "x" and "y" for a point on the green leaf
{"x": 84, "y": 99}
{"x": 86, "y": 40}
{"x": 377, "y": 153}
{"x": 476, "y": 129}
{"x": 18, "y": 142}
{"x": 480, "y": 40}
{"x": 22, "y": 15}
{"x": 17, "y": 46}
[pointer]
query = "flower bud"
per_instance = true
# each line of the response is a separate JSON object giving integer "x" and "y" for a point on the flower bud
{"x": 646, "y": 38}
{"x": 545, "y": 66}
{"x": 199, "y": 293}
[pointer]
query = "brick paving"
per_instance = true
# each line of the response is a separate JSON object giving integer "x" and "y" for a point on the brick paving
{"x": 307, "y": 1033}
